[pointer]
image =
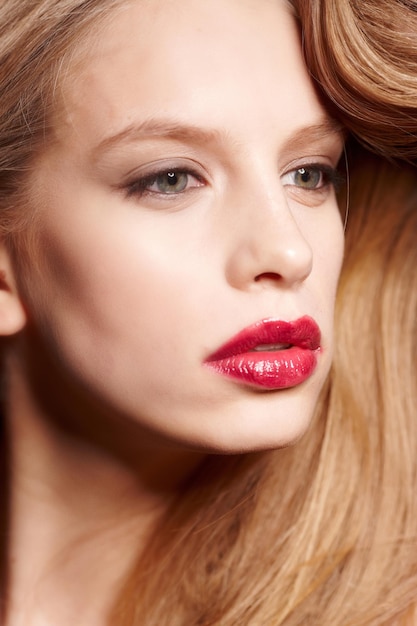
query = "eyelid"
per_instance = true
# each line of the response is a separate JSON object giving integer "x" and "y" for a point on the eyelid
{"x": 138, "y": 185}
{"x": 329, "y": 156}
{"x": 143, "y": 185}
{"x": 161, "y": 166}
{"x": 332, "y": 174}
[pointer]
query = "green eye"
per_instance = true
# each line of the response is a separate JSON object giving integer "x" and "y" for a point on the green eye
{"x": 165, "y": 182}
{"x": 308, "y": 178}
{"x": 170, "y": 182}
{"x": 311, "y": 184}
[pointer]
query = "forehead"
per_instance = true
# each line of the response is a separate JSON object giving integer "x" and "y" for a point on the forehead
{"x": 199, "y": 59}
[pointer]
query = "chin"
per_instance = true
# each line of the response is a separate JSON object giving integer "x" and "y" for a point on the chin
{"x": 259, "y": 427}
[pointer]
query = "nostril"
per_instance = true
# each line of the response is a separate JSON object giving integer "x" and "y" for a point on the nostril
{"x": 267, "y": 276}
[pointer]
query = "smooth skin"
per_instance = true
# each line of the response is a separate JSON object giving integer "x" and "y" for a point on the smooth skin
{"x": 172, "y": 210}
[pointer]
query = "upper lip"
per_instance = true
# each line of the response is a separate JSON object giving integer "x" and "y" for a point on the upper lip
{"x": 302, "y": 332}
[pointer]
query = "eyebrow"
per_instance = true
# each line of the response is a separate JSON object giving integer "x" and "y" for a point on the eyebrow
{"x": 160, "y": 128}
{"x": 328, "y": 127}
{"x": 179, "y": 131}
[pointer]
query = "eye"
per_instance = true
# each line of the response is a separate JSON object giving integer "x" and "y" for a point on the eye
{"x": 311, "y": 184}
{"x": 169, "y": 182}
{"x": 308, "y": 178}
{"x": 164, "y": 182}
{"x": 311, "y": 177}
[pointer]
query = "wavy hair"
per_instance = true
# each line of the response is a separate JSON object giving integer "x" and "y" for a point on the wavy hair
{"x": 322, "y": 533}
{"x": 363, "y": 54}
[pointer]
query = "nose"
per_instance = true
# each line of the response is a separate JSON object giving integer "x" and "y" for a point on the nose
{"x": 268, "y": 246}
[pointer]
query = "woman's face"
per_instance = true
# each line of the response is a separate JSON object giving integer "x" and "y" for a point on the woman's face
{"x": 188, "y": 197}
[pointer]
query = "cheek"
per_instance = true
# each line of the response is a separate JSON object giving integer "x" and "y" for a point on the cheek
{"x": 106, "y": 295}
{"x": 130, "y": 315}
{"x": 126, "y": 324}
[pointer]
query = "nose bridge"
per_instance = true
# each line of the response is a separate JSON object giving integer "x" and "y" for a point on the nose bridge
{"x": 267, "y": 242}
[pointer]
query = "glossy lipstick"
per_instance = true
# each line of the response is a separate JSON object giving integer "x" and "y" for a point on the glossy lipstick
{"x": 270, "y": 354}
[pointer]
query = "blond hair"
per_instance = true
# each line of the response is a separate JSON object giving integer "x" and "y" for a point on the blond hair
{"x": 321, "y": 533}
{"x": 363, "y": 54}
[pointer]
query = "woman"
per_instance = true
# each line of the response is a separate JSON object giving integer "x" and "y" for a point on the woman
{"x": 170, "y": 255}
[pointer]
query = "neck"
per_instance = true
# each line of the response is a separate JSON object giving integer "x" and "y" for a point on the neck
{"x": 79, "y": 516}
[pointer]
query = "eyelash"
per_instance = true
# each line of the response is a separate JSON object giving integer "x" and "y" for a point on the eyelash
{"x": 329, "y": 177}
{"x": 140, "y": 187}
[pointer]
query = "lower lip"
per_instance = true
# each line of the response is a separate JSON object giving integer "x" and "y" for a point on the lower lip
{"x": 282, "y": 369}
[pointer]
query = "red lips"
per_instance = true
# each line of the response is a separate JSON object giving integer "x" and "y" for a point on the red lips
{"x": 270, "y": 354}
